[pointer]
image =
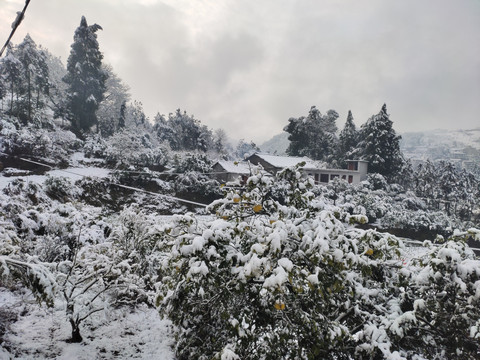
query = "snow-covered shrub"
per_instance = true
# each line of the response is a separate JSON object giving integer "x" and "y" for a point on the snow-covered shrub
{"x": 95, "y": 146}
{"x": 8, "y": 132}
{"x": 266, "y": 280}
{"x": 376, "y": 181}
{"x": 135, "y": 237}
{"x": 97, "y": 192}
{"x": 183, "y": 162}
{"x": 60, "y": 188}
{"x": 420, "y": 221}
{"x": 410, "y": 201}
{"x": 135, "y": 147}
{"x": 53, "y": 144}
{"x": 441, "y": 317}
{"x": 192, "y": 181}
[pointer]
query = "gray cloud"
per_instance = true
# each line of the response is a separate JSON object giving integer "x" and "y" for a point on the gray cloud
{"x": 248, "y": 66}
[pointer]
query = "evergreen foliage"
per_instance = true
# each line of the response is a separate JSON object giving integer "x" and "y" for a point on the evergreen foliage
{"x": 10, "y": 69}
{"x": 85, "y": 78}
{"x": 347, "y": 141}
{"x": 34, "y": 80}
{"x": 380, "y": 145}
{"x": 313, "y": 136}
{"x": 183, "y": 132}
{"x": 112, "y": 110}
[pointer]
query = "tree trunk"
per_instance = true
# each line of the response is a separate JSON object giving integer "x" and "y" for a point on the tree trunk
{"x": 76, "y": 337}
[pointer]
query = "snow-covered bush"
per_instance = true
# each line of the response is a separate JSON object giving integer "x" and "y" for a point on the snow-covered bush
{"x": 60, "y": 188}
{"x": 441, "y": 314}
{"x": 377, "y": 182}
{"x": 54, "y": 144}
{"x": 267, "y": 280}
{"x": 135, "y": 237}
{"x": 95, "y": 146}
{"x": 135, "y": 147}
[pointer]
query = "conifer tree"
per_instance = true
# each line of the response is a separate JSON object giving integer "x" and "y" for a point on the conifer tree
{"x": 380, "y": 145}
{"x": 347, "y": 140}
{"x": 85, "y": 78}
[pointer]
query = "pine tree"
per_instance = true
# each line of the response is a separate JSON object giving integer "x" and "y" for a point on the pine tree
{"x": 347, "y": 140}
{"x": 85, "y": 78}
{"x": 380, "y": 145}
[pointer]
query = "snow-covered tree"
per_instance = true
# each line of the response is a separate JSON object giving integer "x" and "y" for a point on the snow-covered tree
{"x": 10, "y": 70}
{"x": 296, "y": 281}
{"x": 347, "y": 141}
{"x": 314, "y": 135}
{"x": 245, "y": 149}
{"x": 221, "y": 144}
{"x": 110, "y": 109}
{"x": 34, "y": 79}
{"x": 183, "y": 132}
{"x": 135, "y": 116}
{"x": 85, "y": 78}
{"x": 57, "y": 87}
{"x": 380, "y": 145}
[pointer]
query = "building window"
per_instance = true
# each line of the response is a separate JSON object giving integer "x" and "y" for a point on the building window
{"x": 324, "y": 178}
{"x": 317, "y": 178}
{"x": 344, "y": 177}
{"x": 350, "y": 179}
{"x": 353, "y": 165}
{"x": 333, "y": 176}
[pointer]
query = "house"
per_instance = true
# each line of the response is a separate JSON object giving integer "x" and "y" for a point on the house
{"x": 356, "y": 172}
{"x": 231, "y": 171}
{"x": 356, "y": 169}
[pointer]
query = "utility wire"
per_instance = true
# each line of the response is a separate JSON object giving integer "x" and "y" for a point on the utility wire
{"x": 15, "y": 25}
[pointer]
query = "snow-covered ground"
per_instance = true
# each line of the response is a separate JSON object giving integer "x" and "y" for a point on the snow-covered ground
{"x": 41, "y": 333}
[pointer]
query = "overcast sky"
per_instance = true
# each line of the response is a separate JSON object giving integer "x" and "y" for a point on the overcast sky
{"x": 247, "y": 66}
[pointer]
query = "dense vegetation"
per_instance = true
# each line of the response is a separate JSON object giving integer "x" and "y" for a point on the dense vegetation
{"x": 280, "y": 267}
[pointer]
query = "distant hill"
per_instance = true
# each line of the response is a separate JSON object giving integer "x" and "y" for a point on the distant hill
{"x": 455, "y": 145}
{"x": 276, "y": 145}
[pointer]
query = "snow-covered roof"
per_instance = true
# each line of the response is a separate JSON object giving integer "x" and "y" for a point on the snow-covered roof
{"x": 235, "y": 167}
{"x": 287, "y": 161}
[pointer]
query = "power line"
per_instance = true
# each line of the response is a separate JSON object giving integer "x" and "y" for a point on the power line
{"x": 15, "y": 25}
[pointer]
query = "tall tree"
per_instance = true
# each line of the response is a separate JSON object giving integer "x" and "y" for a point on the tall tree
{"x": 313, "y": 135}
{"x": 116, "y": 95}
{"x": 380, "y": 145}
{"x": 34, "y": 79}
{"x": 121, "y": 119}
{"x": 85, "y": 78}
{"x": 347, "y": 140}
{"x": 10, "y": 69}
